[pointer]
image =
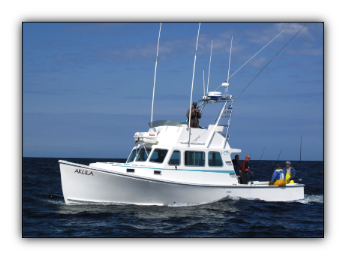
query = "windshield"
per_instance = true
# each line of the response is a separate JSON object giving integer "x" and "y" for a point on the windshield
{"x": 143, "y": 154}
{"x": 132, "y": 156}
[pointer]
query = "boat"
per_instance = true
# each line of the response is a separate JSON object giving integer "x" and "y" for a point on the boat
{"x": 173, "y": 164}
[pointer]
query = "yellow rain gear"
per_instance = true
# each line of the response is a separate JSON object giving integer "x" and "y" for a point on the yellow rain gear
{"x": 280, "y": 182}
{"x": 288, "y": 176}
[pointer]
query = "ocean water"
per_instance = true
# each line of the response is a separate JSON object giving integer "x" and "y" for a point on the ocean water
{"x": 45, "y": 214}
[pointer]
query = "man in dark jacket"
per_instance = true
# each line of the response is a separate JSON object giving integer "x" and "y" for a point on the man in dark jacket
{"x": 195, "y": 116}
{"x": 235, "y": 162}
{"x": 290, "y": 172}
{"x": 244, "y": 167}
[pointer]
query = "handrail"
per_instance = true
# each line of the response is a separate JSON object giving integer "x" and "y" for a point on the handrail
{"x": 164, "y": 123}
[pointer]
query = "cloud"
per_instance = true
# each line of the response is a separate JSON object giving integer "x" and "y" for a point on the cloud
{"x": 134, "y": 52}
{"x": 174, "y": 48}
{"x": 44, "y": 92}
{"x": 293, "y": 28}
{"x": 259, "y": 62}
{"x": 319, "y": 82}
{"x": 306, "y": 51}
{"x": 90, "y": 27}
{"x": 301, "y": 97}
{"x": 157, "y": 97}
{"x": 264, "y": 34}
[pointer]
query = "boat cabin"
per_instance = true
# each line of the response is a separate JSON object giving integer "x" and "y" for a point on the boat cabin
{"x": 167, "y": 144}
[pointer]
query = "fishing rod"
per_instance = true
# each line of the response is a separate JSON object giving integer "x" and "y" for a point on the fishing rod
{"x": 277, "y": 159}
{"x": 275, "y": 165}
{"x": 262, "y": 152}
{"x": 300, "y": 157}
{"x": 249, "y": 168}
{"x": 261, "y": 159}
{"x": 261, "y": 156}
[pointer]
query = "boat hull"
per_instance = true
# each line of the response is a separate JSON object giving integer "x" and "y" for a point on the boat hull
{"x": 83, "y": 184}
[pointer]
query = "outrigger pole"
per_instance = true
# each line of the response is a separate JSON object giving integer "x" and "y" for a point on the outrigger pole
{"x": 300, "y": 157}
{"x": 157, "y": 54}
{"x": 193, "y": 78}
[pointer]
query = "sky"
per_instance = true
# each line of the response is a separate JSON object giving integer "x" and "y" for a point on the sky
{"x": 87, "y": 87}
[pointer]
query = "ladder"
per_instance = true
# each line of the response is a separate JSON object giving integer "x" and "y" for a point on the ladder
{"x": 227, "y": 113}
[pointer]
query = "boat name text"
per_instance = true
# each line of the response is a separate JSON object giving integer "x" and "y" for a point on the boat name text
{"x": 83, "y": 171}
{"x": 226, "y": 153}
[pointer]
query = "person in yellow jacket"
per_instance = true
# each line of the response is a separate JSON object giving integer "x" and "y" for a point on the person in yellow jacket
{"x": 290, "y": 172}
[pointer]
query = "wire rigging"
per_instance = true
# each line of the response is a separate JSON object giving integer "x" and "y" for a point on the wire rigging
{"x": 270, "y": 61}
{"x": 253, "y": 56}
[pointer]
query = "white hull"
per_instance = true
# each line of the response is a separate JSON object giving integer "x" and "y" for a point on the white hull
{"x": 84, "y": 184}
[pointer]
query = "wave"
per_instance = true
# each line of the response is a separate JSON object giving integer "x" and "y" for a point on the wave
{"x": 190, "y": 205}
{"x": 311, "y": 199}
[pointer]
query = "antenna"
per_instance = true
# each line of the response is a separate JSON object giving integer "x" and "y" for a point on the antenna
{"x": 230, "y": 52}
{"x": 157, "y": 54}
{"x": 203, "y": 85}
{"x": 211, "y": 53}
{"x": 229, "y": 66}
{"x": 193, "y": 78}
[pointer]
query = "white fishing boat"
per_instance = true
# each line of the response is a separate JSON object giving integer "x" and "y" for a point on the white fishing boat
{"x": 173, "y": 164}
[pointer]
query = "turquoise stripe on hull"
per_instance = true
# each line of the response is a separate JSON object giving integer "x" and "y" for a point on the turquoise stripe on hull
{"x": 214, "y": 171}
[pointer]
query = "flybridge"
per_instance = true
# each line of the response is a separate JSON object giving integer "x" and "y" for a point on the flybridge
{"x": 209, "y": 97}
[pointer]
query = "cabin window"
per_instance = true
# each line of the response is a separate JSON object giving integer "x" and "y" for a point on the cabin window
{"x": 158, "y": 156}
{"x": 175, "y": 158}
{"x": 132, "y": 156}
{"x": 143, "y": 154}
{"x": 214, "y": 159}
{"x": 194, "y": 158}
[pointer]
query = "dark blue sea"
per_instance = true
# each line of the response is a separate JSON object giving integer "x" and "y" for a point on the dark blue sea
{"x": 45, "y": 214}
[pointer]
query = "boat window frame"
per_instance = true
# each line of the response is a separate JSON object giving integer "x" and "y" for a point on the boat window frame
{"x": 133, "y": 151}
{"x": 146, "y": 151}
{"x": 152, "y": 152}
{"x": 212, "y": 151}
{"x": 199, "y": 151}
{"x": 180, "y": 161}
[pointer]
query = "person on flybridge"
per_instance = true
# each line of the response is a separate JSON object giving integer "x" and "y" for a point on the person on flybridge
{"x": 195, "y": 116}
